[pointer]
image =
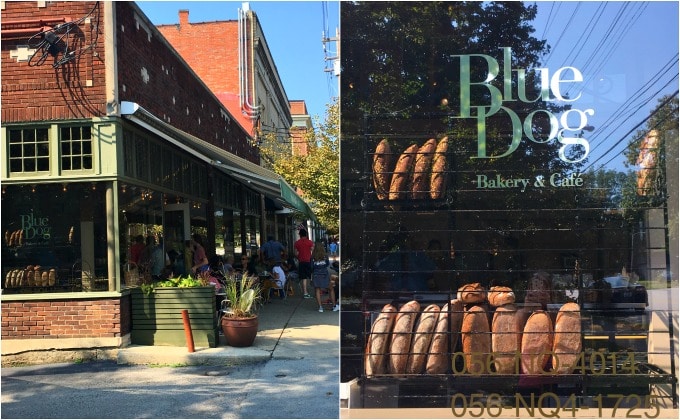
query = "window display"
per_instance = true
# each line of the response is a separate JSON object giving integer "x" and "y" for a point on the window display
{"x": 55, "y": 238}
{"x": 510, "y": 222}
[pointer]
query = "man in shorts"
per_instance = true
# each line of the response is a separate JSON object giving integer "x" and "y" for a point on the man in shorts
{"x": 303, "y": 252}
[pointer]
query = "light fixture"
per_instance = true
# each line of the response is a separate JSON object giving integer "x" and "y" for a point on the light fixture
{"x": 64, "y": 187}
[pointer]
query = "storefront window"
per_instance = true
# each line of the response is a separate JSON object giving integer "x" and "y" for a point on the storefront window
{"x": 478, "y": 152}
{"x": 54, "y": 238}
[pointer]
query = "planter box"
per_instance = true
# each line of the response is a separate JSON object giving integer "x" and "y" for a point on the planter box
{"x": 157, "y": 318}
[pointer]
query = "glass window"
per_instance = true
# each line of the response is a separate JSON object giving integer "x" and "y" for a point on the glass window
{"x": 532, "y": 146}
{"x": 29, "y": 150}
{"x": 54, "y": 238}
{"x": 76, "y": 148}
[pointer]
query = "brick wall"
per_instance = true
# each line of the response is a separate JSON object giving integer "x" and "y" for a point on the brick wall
{"x": 207, "y": 45}
{"x": 153, "y": 75}
{"x": 73, "y": 90}
{"x": 150, "y": 73}
{"x": 66, "y": 318}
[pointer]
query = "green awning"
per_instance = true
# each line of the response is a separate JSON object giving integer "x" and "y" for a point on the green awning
{"x": 291, "y": 197}
{"x": 255, "y": 176}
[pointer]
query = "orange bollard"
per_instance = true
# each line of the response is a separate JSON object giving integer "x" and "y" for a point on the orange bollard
{"x": 187, "y": 330}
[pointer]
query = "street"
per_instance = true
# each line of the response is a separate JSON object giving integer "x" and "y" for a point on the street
{"x": 300, "y": 388}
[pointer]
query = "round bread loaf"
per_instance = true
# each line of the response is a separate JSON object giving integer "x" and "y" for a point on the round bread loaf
{"x": 422, "y": 339}
{"x": 420, "y": 177}
{"x": 402, "y": 173}
{"x": 476, "y": 337}
{"x": 567, "y": 343}
{"x": 500, "y": 295}
{"x": 402, "y": 334}
{"x": 438, "y": 359}
{"x": 472, "y": 293}
{"x": 52, "y": 276}
{"x": 506, "y": 339}
{"x": 378, "y": 341}
{"x": 382, "y": 169}
{"x": 439, "y": 168}
{"x": 537, "y": 343}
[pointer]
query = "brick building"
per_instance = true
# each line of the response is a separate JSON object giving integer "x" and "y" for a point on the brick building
{"x": 237, "y": 66}
{"x": 109, "y": 134}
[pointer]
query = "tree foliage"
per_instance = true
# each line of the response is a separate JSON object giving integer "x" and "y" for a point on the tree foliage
{"x": 316, "y": 173}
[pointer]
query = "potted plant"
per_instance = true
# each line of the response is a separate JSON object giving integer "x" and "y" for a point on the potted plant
{"x": 240, "y": 320}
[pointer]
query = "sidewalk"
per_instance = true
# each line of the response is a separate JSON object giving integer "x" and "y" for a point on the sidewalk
{"x": 288, "y": 329}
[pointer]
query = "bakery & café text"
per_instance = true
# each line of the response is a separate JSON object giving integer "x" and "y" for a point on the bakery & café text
{"x": 556, "y": 179}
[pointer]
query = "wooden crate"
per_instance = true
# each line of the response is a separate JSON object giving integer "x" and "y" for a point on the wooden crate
{"x": 157, "y": 318}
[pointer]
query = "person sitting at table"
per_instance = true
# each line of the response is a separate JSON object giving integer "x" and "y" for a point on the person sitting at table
{"x": 242, "y": 265}
{"x": 276, "y": 280}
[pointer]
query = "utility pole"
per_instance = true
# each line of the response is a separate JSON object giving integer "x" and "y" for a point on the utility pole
{"x": 333, "y": 60}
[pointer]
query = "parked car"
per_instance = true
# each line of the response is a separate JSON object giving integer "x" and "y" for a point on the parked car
{"x": 617, "y": 292}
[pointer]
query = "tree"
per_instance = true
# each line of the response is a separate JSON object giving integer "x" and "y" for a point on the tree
{"x": 316, "y": 173}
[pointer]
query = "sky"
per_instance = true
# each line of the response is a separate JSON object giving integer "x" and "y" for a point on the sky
{"x": 628, "y": 54}
{"x": 291, "y": 29}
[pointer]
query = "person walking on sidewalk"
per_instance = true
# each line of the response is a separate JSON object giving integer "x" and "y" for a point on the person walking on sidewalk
{"x": 321, "y": 276}
{"x": 303, "y": 252}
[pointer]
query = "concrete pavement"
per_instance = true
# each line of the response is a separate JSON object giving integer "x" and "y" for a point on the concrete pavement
{"x": 291, "y": 328}
{"x": 291, "y": 371}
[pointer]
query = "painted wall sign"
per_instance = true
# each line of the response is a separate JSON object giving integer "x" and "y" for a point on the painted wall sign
{"x": 566, "y": 129}
{"x": 35, "y": 228}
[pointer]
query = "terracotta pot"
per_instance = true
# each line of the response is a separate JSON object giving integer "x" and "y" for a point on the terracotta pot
{"x": 240, "y": 332}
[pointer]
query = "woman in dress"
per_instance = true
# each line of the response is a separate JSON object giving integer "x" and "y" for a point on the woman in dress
{"x": 321, "y": 276}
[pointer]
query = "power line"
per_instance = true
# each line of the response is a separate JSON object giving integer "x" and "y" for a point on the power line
{"x": 664, "y": 103}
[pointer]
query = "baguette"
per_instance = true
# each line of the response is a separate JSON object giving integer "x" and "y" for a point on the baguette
{"x": 378, "y": 341}
{"x": 21, "y": 278}
{"x": 382, "y": 162}
{"x": 506, "y": 338}
{"x": 457, "y": 311}
{"x": 537, "y": 342}
{"x": 567, "y": 343}
{"x": 472, "y": 293}
{"x": 402, "y": 334}
{"x": 402, "y": 173}
{"x": 476, "y": 338}
{"x": 30, "y": 276}
{"x": 437, "y": 358}
{"x": 500, "y": 295}
{"x": 439, "y": 167}
{"x": 13, "y": 281}
{"x": 420, "y": 177}
{"x": 422, "y": 339}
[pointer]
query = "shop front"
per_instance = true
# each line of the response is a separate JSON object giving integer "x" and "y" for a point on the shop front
{"x": 68, "y": 253}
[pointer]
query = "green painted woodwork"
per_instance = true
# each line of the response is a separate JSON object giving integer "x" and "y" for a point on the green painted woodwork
{"x": 157, "y": 318}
